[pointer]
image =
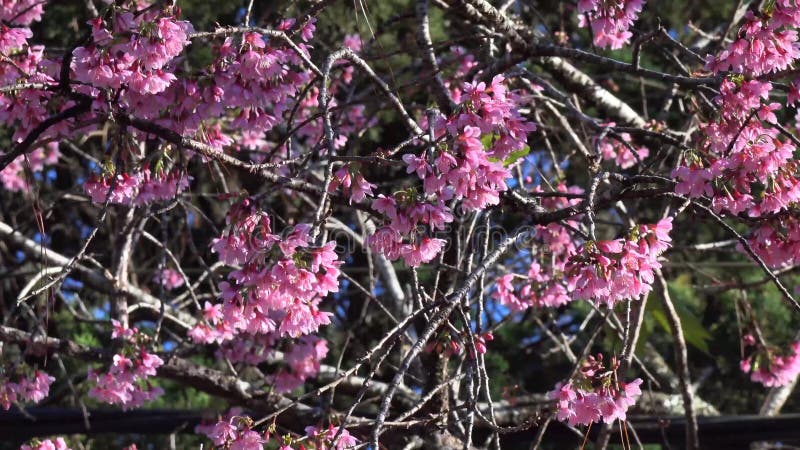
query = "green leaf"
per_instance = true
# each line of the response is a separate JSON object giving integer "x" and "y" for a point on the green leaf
{"x": 517, "y": 155}
{"x": 87, "y": 338}
{"x": 694, "y": 332}
{"x": 487, "y": 140}
{"x": 661, "y": 318}
{"x": 768, "y": 7}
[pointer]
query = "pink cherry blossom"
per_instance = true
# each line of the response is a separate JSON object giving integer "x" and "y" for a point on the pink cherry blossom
{"x": 595, "y": 395}
{"x": 31, "y": 388}
{"x": 21, "y": 12}
{"x": 621, "y": 150}
{"x": 423, "y": 252}
{"x": 234, "y": 431}
{"x": 323, "y": 438}
{"x": 125, "y": 382}
{"x": 48, "y": 444}
{"x": 14, "y": 178}
{"x": 352, "y": 183}
{"x": 763, "y": 44}
{"x": 123, "y": 189}
{"x": 280, "y": 285}
{"x": 611, "y": 271}
{"x": 169, "y": 278}
{"x": 769, "y": 366}
{"x": 13, "y": 38}
{"x": 610, "y": 20}
{"x": 303, "y": 362}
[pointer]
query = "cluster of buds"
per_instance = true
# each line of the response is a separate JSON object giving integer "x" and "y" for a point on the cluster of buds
{"x": 449, "y": 345}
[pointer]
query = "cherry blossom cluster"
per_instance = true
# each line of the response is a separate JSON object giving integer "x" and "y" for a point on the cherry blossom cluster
{"x": 139, "y": 188}
{"x": 608, "y": 272}
{"x": 743, "y": 162}
{"x": 777, "y": 241}
{"x": 350, "y": 118}
{"x": 14, "y": 178}
{"x": 31, "y": 388}
{"x": 605, "y": 272}
{"x": 256, "y": 81}
{"x": 352, "y": 183}
{"x": 544, "y": 285}
{"x": 47, "y": 444}
{"x": 245, "y": 91}
{"x": 234, "y": 432}
{"x": 485, "y": 130}
{"x": 274, "y": 295}
{"x": 169, "y": 278}
{"x": 21, "y": 12}
{"x": 21, "y": 110}
{"x": 125, "y": 383}
{"x": 595, "y": 394}
{"x": 406, "y": 215}
{"x": 132, "y": 51}
{"x": 323, "y": 438}
{"x": 742, "y": 150}
{"x": 279, "y": 285}
{"x": 769, "y": 366}
{"x": 469, "y": 166}
{"x": 300, "y": 361}
{"x": 621, "y": 150}
{"x": 767, "y": 42}
{"x": 610, "y": 20}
